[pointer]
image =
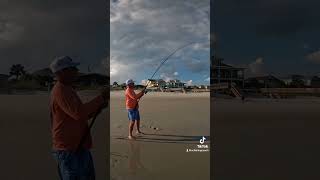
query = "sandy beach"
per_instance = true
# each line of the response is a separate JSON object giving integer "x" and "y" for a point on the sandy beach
{"x": 173, "y": 123}
{"x": 26, "y": 140}
{"x": 266, "y": 139}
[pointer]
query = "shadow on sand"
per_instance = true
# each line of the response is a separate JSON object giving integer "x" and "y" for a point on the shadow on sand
{"x": 167, "y": 138}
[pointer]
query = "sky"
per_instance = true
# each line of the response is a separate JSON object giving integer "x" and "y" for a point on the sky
{"x": 144, "y": 32}
{"x": 279, "y": 37}
{"x": 34, "y": 32}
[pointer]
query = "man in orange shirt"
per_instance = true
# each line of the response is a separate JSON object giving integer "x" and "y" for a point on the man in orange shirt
{"x": 133, "y": 107}
{"x": 69, "y": 122}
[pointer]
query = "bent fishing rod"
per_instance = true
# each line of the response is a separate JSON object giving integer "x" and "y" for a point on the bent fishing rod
{"x": 99, "y": 111}
{"x": 95, "y": 115}
{"x": 87, "y": 132}
{"x": 162, "y": 63}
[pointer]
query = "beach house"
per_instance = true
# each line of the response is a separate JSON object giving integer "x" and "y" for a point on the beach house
{"x": 175, "y": 84}
{"x": 159, "y": 83}
{"x": 297, "y": 81}
{"x": 44, "y": 77}
{"x": 264, "y": 82}
{"x": 315, "y": 81}
{"x": 224, "y": 73}
{"x": 3, "y": 80}
{"x": 152, "y": 83}
{"x": 92, "y": 80}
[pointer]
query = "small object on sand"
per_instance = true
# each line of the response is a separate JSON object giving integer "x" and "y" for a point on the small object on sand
{"x": 154, "y": 128}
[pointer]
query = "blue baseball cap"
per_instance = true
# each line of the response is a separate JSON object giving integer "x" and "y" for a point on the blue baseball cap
{"x": 129, "y": 81}
{"x": 61, "y": 63}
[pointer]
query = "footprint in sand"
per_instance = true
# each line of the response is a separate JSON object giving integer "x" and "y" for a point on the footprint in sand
{"x": 119, "y": 127}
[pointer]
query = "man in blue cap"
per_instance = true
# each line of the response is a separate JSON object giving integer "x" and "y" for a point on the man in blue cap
{"x": 132, "y": 107}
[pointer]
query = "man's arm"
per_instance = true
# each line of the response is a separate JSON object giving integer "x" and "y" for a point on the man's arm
{"x": 71, "y": 104}
{"x": 135, "y": 96}
{"x": 140, "y": 94}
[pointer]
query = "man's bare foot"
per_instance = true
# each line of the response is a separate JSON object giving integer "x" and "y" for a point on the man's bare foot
{"x": 131, "y": 138}
{"x": 139, "y": 133}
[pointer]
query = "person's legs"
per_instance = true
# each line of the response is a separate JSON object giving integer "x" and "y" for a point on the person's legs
{"x": 131, "y": 117}
{"x": 137, "y": 117}
{"x": 131, "y": 125}
{"x": 138, "y": 126}
{"x": 75, "y": 166}
{"x": 90, "y": 167}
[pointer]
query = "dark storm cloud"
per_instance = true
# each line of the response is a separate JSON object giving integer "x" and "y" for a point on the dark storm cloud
{"x": 280, "y": 31}
{"x": 276, "y": 18}
{"x": 286, "y": 18}
{"x": 34, "y": 32}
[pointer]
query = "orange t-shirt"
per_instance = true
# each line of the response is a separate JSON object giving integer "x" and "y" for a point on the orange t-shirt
{"x": 70, "y": 117}
{"x": 132, "y": 98}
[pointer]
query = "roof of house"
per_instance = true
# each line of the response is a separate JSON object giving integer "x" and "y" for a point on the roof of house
{"x": 156, "y": 80}
{"x": 297, "y": 76}
{"x": 220, "y": 64}
{"x": 264, "y": 78}
{"x": 43, "y": 72}
{"x": 4, "y": 76}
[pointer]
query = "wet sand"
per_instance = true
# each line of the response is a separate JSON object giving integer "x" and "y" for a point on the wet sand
{"x": 266, "y": 139}
{"x": 260, "y": 139}
{"x": 26, "y": 140}
{"x": 180, "y": 120}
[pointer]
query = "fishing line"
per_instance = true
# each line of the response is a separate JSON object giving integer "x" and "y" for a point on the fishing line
{"x": 166, "y": 59}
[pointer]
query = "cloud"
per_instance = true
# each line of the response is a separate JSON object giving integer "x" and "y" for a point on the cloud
{"x": 168, "y": 76}
{"x": 189, "y": 83}
{"x": 272, "y": 18}
{"x": 9, "y": 31}
{"x": 144, "y": 82}
{"x": 197, "y": 65}
{"x": 33, "y": 33}
{"x": 144, "y": 32}
{"x": 119, "y": 71}
{"x": 306, "y": 46}
{"x": 256, "y": 68}
{"x": 314, "y": 57}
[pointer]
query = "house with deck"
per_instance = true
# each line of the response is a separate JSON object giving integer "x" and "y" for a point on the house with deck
{"x": 264, "y": 82}
{"x": 224, "y": 73}
{"x": 175, "y": 84}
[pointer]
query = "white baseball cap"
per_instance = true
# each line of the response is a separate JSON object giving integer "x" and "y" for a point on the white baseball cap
{"x": 129, "y": 81}
{"x": 61, "y": 63}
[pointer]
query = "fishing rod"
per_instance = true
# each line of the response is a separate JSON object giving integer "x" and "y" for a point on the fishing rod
{"x": 161, "y": 64}
{"x": 165, "y": 60}
{"x": 99, "y": 111}
{"x": 87, "y": 132}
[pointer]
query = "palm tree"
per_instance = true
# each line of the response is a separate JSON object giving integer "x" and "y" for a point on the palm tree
{"x": 17, "y": 70}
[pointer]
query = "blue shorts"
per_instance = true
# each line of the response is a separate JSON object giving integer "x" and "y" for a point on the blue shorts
{"x": 72, "y": 166}
{"x": 133, "y": 114}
